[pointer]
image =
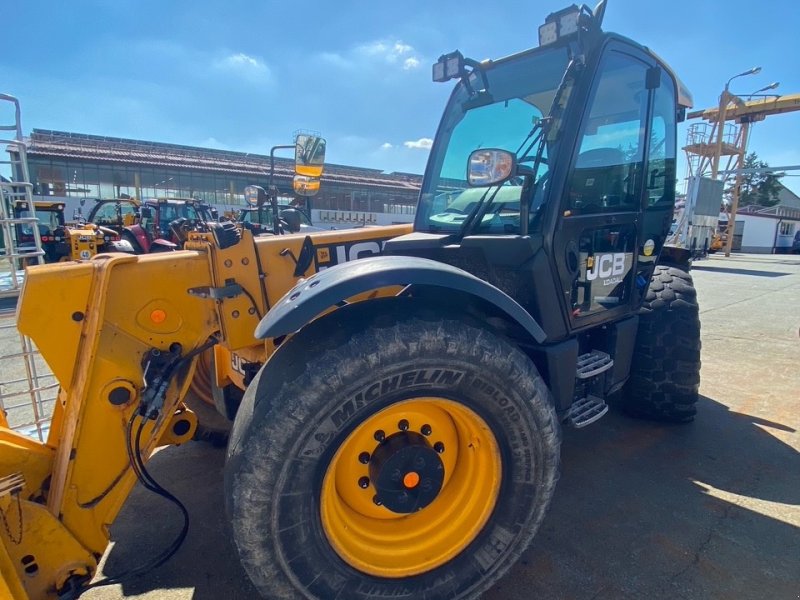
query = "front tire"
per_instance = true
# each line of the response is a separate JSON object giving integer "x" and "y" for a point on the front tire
{"x": 303, "y": 476}
{"x": 665, "y": 373}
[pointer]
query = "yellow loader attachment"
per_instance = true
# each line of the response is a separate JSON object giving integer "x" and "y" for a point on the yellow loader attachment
{"x": 122, "y": 335}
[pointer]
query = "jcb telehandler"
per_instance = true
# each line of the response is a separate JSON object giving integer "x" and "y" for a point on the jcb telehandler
{"x": 62, "y": 241}
{"x": 399, "y": 431}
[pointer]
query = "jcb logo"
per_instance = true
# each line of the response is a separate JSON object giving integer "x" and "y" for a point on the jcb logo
{"x": 327, "y": 256}
{"x": 605, "y": 265}
{"x": 236, "y": 363}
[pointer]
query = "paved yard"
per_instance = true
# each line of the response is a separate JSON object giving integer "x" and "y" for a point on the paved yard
{"x": 705, "y": 510}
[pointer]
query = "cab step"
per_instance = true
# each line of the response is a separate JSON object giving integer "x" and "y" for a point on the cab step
{"x": 585, "y": 411}
{"x": 593, "y": 363}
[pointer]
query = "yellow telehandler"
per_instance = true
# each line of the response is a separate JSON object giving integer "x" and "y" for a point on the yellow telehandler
{"x": 397, "y": 393}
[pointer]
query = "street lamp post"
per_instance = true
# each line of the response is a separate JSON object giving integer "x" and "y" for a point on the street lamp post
{"x": 725, "y": 99}
{"x": 771, "y": 86}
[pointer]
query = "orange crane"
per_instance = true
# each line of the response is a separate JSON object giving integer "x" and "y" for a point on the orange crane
{"x": 709, "y": 149}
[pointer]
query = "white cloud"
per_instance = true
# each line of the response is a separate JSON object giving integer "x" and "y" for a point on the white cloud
{"x": 386, "y": 146}
{"x": 378, "y": 52}
{"x": 372, "y": 48}
{"x": 421, "y": 143}
{"x": 247, "y": 67}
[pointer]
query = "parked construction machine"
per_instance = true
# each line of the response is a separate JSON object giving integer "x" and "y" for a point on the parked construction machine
{"x": 397, "y": 394}
{"x": 148, "y": 226}
{"x": 62, "y": 241}
{"x": 260, "y": 220}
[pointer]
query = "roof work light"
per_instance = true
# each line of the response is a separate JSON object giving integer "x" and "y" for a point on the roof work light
{"x": 559, "y": 24}
{"x": 449, "y": 66}
{"x": 571, "y": 20}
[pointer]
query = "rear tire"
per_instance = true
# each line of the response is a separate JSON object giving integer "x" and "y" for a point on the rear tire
{"x": 665, "y": 373}
{"x": 334, "y": 380}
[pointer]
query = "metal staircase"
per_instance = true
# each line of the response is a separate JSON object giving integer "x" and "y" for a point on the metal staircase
{"x": 17, "y": 187}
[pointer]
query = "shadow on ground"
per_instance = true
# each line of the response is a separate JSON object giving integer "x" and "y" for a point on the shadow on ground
{"x": 641, "y": 510}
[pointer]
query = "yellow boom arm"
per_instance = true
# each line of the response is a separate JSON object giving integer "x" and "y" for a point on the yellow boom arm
{"x": 118, "y": 331}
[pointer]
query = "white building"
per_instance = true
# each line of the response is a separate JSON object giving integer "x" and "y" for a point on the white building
{"x": 767, "y": 230}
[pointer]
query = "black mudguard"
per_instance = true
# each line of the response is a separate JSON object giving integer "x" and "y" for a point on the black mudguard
{"x": 310, "y": 297}
{"x": 679, "y": 257}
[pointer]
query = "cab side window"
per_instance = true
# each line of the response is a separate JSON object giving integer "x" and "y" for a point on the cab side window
{"x": 106, "y": 215}
{"x": 609, "y": 155}
{"x": 661, "y": 156}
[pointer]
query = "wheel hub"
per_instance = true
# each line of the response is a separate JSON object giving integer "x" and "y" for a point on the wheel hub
{"x": 410, "y": 487}
{"x": 406, "y": 472}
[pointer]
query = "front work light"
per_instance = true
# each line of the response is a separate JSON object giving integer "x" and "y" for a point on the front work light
{"x": 449, "y": 66}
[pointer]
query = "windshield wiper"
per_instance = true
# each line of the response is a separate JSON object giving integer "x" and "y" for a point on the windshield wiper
{"x": 482, "y": 206}
{"x": 478, "y": 211}
{"x": 542, "y": 127}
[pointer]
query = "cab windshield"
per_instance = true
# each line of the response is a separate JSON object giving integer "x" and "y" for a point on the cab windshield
{"x": 521, "y": 94}
{"x": 49, "y": 221}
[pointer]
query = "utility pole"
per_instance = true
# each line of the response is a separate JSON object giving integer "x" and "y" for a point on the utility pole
{"x": 737, "y": 188}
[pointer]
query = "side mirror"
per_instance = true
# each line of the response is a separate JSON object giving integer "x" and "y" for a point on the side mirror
{"x": 291, "y": 217}
{"x": 145, "y": 212}
{"x": 305, "y": 186}
{"x": 255, "y": 195}
{"x": 490, "y": 167}
{"x": 309, "y": 155}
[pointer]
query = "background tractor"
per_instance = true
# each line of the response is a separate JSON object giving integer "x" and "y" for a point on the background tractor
{"x": 397, "y": 393}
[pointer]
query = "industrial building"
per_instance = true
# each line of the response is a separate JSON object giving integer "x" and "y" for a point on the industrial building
{"x": 767, "y": 230}
{"x": 73, "y": 166}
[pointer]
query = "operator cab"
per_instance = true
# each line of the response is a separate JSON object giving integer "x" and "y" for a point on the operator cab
{"x": 552, "y": 172}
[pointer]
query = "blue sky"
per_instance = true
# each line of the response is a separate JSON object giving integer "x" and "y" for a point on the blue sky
{"x": 245, "y": 75}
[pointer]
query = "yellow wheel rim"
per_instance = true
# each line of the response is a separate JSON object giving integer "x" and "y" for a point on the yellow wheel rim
{"x": 383, "y": 542}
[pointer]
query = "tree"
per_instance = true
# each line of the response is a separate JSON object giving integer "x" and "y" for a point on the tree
{"x": 759, "y": 188}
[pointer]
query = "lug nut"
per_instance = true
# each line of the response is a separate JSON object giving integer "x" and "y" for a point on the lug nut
{"x": 380, "y": 435}
{"x": 363, "y": 483}
{"x": 377, "y": 500}
{"x": 402, "y": 425}
{"x": 426, "y": 429}
{"x": 363, "y": 458}
{"x": 439, "y": 447}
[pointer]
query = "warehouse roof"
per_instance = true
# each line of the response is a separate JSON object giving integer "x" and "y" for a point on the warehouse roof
{"x": 45, "y": 142}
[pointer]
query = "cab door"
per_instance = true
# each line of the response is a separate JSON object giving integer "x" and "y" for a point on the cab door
{"x": 597, "y": 234}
